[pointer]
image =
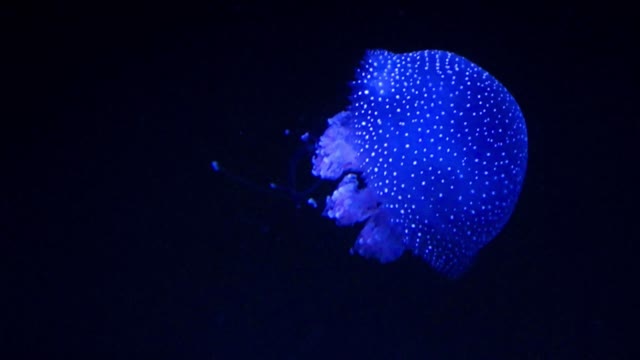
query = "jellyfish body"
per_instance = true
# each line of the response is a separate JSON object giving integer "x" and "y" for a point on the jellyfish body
{"x": 431, "y": 153}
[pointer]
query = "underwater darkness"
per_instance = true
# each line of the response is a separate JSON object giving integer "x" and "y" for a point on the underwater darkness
{"x": 120, "y": 240}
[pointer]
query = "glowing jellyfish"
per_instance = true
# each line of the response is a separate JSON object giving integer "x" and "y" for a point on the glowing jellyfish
{"x": 432, "y": 153}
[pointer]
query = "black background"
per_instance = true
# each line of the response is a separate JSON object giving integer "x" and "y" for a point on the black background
{"x": 120, "y": 240}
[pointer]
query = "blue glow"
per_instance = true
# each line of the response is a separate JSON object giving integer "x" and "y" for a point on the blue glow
{"x": 441, "y": 147}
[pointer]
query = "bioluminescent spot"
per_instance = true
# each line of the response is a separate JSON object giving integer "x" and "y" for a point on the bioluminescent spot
{"x": 431, "y": 153}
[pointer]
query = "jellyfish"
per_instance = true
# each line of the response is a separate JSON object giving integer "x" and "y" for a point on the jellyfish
{"x": 430, "y": 154}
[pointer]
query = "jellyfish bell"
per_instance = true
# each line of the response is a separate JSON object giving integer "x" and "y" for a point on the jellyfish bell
{"x": 440, "y": 147}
